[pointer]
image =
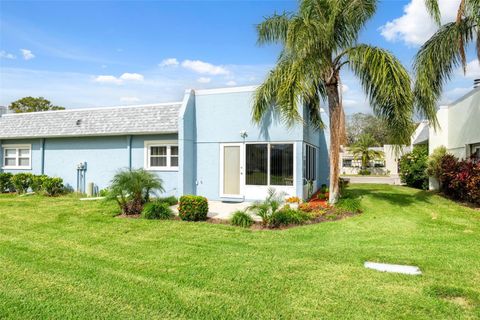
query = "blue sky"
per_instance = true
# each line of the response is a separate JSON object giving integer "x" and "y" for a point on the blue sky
{"x": 84, "y": 54}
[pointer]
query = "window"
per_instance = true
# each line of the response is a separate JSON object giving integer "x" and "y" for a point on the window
{"x": 269, "y": 164}
{"x": 161, "y": 156}
{"x": 310, "y": 163}
{"x": 475, "y": 151}
{"x": 17, "y": 156}
{"x": 347, "y": 163}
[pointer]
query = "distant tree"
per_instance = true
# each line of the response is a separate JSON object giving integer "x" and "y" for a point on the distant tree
{"x": 359, "y": 124}
{"x": 361, "y": 149}
{"x": 31, "y": 104}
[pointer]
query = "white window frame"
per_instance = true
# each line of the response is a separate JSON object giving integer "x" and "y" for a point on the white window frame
{"x": 160, "y": 143}
{"x": 17, "y": 147}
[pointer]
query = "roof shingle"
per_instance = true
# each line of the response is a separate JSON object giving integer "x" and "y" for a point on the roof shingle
{"x": 148, "y": 119}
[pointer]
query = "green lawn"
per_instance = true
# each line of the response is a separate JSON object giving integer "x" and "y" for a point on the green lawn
{"x": 63, "y": 258}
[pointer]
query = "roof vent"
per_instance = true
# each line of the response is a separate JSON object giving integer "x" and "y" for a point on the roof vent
{"x": 476, "y": 83}
{"x": 79, "y": 122}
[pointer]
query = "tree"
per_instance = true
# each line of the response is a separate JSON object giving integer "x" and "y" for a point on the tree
{"x": 361, "y": 149}
{"x": 31, "y": 104}
{"x": 359, "y": 124}
{"x": 444, "y": 52}
{"x": 131, "y": 189}
{"x": 319, "y": 41}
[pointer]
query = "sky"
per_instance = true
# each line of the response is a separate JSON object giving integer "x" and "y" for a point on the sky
{"x": 108, "y": 53}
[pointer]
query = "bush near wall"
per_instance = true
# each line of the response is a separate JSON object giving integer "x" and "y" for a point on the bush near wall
{"x": 193, "y": 208}
{"x": 6, "y": 182}
{"x": 413, "y": 166}
{"x": 460, "y": 179}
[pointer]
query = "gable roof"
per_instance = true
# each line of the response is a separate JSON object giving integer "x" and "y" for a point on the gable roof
{"x": 144, "y": 119}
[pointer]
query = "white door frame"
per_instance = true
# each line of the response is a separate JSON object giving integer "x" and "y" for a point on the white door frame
{"x": 242, "y": 170}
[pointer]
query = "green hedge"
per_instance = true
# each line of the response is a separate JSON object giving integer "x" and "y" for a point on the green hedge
{"x": 193, "y": 208}
{"x": 157, "y": 210}
{"x": 6, "y": 182}
{"x": 24, "y": 182}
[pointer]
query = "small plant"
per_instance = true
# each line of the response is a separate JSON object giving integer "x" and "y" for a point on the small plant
{"x": 157, "y": 210}
{"x": 53, "y": 186}
{"x": 322, "y": 196}
{"x": 6, "y": 182}
{"x": 264, "y": 209}
{"x": 323, "y": 188}
{"x": 171, "y": 201}
{"x": 131, "y": 189}
{"x": 241, "y": 219}
{"x": 364, "y": 172}
{"x": 193, "y": 208}
{"x": 22, "y": 182}
{"x": 37, "y": 182}
{"x": 103, "y": 192}
{"x": 287, "y": 216}
{"x": 293, "y": 200}
{"x": 349, "y": 204}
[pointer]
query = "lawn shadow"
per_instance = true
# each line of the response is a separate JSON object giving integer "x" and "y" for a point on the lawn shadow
{"x": 393, "y": 197}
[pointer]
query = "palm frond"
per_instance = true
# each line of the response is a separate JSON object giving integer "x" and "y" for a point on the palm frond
{"x": 273, "y": 29}
{"x": 387, "y": 85}
{"x": 434, "y": 10}
{"x": 435, "y": 64}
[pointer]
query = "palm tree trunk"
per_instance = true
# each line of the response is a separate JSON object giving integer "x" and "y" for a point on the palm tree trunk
{"x": 335, "y": 112}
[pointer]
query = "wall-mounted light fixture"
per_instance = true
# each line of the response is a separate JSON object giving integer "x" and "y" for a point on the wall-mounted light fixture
{"x": 243, "y": 134}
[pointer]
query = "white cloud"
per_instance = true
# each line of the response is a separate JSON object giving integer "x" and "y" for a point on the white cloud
{"x": 124, "y": 77}
{"x": 473, "y": 69}
{"x": 231, "y": 83}
{"x": 416, "y": 26}
{"x": 169, "y": 62}
{"x": 204, "y": 80}
{"x": 27, "y": 54}
{"x": 131, "y": 76}
{"x": 107, "y": 79}
{"x": 345, "y": 88}
{"x": 129, "y": 99}
{"x": 204, "y": 67}
{"x": 6, "y": 55}
{"x": 350, "y": 102}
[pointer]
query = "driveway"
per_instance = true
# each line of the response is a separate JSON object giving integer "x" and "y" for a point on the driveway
{"x": 394, "y": 180}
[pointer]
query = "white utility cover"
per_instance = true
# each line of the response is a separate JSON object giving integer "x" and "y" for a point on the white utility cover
{"x": 396, "y": 268}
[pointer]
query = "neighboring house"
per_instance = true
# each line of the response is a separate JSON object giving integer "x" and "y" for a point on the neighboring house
{"x": 205, "y": 145}
{"x": 386, "y": 165}
{"x": 459, "y": 128}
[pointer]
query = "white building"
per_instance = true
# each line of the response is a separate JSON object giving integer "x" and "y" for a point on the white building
{"x": 459, "y": 128}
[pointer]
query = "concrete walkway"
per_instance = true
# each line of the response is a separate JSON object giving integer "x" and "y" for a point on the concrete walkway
{"x": 394, "y": 179}
{"x": 223, "y": 210}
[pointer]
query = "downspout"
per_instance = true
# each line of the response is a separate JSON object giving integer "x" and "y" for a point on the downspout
{"x": 129, "y": 151}
{"x": 42, "y": 156}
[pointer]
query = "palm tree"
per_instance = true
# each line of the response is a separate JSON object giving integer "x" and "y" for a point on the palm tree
{"x": 319, "y": 41}
{"x": 361, "y": 149}
{"x": 444, "y": 52}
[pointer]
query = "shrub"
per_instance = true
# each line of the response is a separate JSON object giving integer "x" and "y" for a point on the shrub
{"x": 434, "y": 163}
{"x": 53, "y": 186}
{"x": 193, "y": 208}
{"x": 103, "y": 192}
{"x": 413, "y": 167}
{"x": 22, "y": 182}
{"x": 349, "y": 204}
{"x": 364, "y": 172}
{"x": 6, "y": 182}
{"x": 131, "y": 189}
{"x": 37, "y": 182}
{"x": 241, "y": 219}
{"x": 322, "y": 196}
{"x": 157, "y": 210}
{"x": 287, "y": 216}
{"x": 264, "y": 209}
{"x": 171, "y": 201}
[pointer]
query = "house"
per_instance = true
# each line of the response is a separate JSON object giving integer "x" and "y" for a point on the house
{"x": 459, "y": 128}
{"x": 205, "y": 145}
{"x": 386, "y": 165}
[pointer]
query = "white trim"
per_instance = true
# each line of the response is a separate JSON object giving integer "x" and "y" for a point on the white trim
{"x": 225, "y": 90}
{"x": 17, "y": 156}
{"x": 75, "y": 135}
{"x": 242, "y": 170}
{"x": 93, "y": 108}
{"x": 160, "y": 143}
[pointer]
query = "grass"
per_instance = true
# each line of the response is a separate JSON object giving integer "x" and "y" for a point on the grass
{"x": 63, "y": 258}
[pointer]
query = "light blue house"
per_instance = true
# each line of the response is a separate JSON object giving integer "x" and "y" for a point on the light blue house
{"x": 205, "y": 145}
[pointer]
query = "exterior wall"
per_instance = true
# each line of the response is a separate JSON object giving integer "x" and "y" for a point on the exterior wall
{"x": 221, "y": 117}
{"x": 36, "y": 155}
{"x": 187, "y": 135}
{"x": 103, "y": 155}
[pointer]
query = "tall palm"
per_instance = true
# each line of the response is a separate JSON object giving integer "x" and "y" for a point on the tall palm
{"x": 361, "y": 149}
{"x": 444, "y": 52}
{"x": 319, "y": 41}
